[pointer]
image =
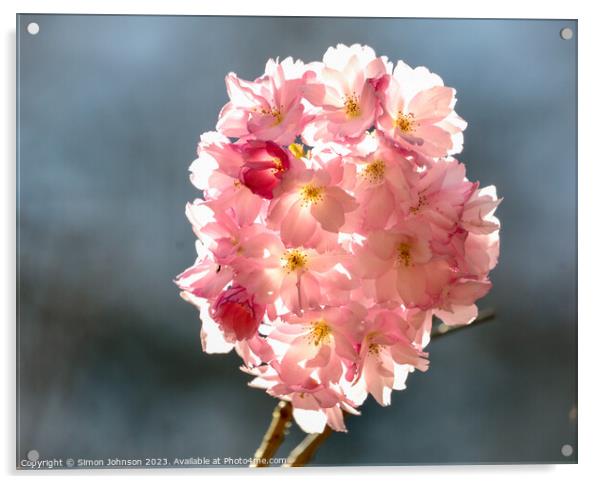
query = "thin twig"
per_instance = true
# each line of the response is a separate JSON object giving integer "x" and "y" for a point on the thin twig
{"x": 303, "y": 453}
{"x": 281, "y": 421}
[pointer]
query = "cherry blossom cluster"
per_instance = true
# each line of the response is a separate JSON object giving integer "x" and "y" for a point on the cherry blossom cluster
{"x": 333, "y": 225}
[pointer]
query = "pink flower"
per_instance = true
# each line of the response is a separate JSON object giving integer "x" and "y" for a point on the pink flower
{"x": 402, "y": 265}
{"x": 237, "y": 313}
{"x": 386, "y": 355}
{"x": 344, "y": 93}
{"x": 252, "y": 350}
{"x": 456, "y": 304}
{"x": 301, "y": 278}
{"x": 477, "y": 216}
{"x": 319, "y": 343}
{"x": 419, "y": 325}
{"x": 269, "y": 108}
{"x": 438, "y": 197}
{"x": 216, "y": 172}
{"x": 200, "y": 285}
{"x": 307, "y": 203}
{"x": 206, "y": 278}
{"x": 482, "y": 243}
{"x": 418, "y": 112}
{"x": 221, "y": 233}
{"x": 382, "y": 182}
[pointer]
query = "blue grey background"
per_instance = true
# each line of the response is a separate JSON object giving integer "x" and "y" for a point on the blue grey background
{"x": 109, "y": 360}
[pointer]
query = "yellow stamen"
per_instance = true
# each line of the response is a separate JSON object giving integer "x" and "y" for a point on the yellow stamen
{"x": 405, "y": 122}
{"x": 403, "y": 254}
{"x": 374, "y": 172}
{"x": 311, "y": 194}
{"x": 276, "y": 113}
{"x": 352, "y": 106}
{"x": 422, "y": 201}
{"x": 278, "y": 166}
{"x": 320, "y": 332}
{"x": 297, "y": 150}
{"x": 294, "y": 260}
{"x": 373, "y": 348}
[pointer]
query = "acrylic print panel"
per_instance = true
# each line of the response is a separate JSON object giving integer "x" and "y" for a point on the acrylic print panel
{"x": 110, "y": 366}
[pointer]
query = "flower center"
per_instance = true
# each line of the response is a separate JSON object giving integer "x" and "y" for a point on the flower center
{"x": 422, "y": 201}
{"x": 276, "y": 113}
{"x": 278, "y": 165}
{"x": 293, "y": 260}
{"x": 373, "y": 348}
{"x": 311, "y": 193}
{"x": 374, "y": 172}
{"x": 352, "y": 106}
{"x": 405, "y": 122}
{"x": 237, "y": 245}
{"x": 403, "y": 254}
{"x": 319, "y": 332}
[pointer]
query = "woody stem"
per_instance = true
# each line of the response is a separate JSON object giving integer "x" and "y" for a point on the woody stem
{"x": 303, "y": 453}
{"x": 281, "y": 421}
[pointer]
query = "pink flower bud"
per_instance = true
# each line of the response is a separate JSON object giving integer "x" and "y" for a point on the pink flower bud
{"x": 264, "y": 165}
{"x": 237, "y": 313}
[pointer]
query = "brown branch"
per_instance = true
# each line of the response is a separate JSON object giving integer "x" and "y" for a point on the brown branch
{"x": 281, "y": 421}
{"x": 303, "y": 453}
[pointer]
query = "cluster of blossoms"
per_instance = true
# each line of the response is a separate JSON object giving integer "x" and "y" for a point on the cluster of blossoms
{"x": 334, "y": 224}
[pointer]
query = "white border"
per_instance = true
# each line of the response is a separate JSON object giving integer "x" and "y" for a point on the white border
{"x": 590, "y": 266}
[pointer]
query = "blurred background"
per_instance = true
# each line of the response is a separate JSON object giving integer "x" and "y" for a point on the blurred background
{"x": 109, "y": 359}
